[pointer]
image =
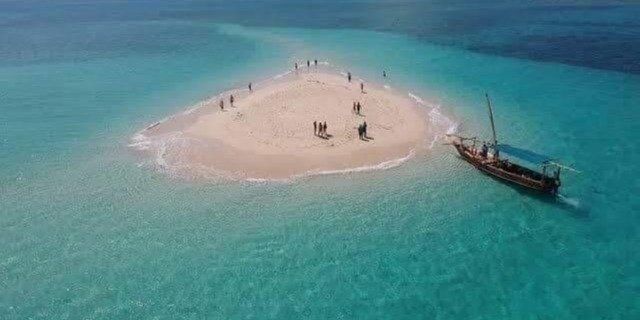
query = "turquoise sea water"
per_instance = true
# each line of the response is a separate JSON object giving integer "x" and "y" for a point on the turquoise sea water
{"x": 89, "y": 232}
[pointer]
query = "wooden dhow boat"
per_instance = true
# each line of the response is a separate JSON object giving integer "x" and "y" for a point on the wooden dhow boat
{"x": 546, "y": 180}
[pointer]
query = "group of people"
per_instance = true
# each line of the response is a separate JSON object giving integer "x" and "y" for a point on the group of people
{"x": 315, "y": 63}
{"x": 357, "y": 107}
{"x": 320, "y": 129}
{"x": 362, "y": 131}
{"x": 231, "y": 100}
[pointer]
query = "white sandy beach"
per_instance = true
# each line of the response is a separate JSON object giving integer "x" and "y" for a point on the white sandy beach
{"x": 268, "y": 133}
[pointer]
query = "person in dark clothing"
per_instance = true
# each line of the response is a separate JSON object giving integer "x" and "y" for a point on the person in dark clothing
{"x": 324, "y": 129}
{"x": 384, "y": 73}
{"x": 360, "y": 131}
{"x": 221, "y": 104}
{"x": 349, "y": 76}
{"x": 250, "y": 89}
{"x": 315, "y": 62}
{"x": 361, "y": 86}
{"x": 296, "y": 66}
{"x": 315, "y": 128}
{"x": 354, "y": 107}
{"x": 308, "y": 64}
{"x": 364, "y": 129}
{"x": 358, "y": 106}
{"x": 231, "y": 99}
{"x": 484, "y": 151}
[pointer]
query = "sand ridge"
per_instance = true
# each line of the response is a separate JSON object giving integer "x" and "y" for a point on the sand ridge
{"x": 268, "y": 133}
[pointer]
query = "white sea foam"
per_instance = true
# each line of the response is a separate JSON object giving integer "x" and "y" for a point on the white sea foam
{"x": 139, "y": 137}
{"x": 388, "y": 87}
{"x": 416, "y": 98}
{"x": 278, "y": 76}
{"x": 158, "y": 145}
{"x": 161, "y": 145}
{"x": 438, "y": 119}
{"x": 151, "y": 126}
{"x": 265, "y": 180}
{"x": 380, "y": 166}
{"x": 160, "y": 160}
{"x": 190, "y": 111}
{"x": 453, "y": 128}
{"x": 196, "y": 107}
{"x": 441, "y": 123}
{"x": 434, "y": 140}
{"x": 572, "y": 202}
{"x": 140, "y": 142}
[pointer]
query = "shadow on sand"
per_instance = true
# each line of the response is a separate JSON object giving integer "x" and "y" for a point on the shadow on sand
{"x": 367, "y": 138}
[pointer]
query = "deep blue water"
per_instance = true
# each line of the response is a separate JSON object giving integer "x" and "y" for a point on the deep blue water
{"x": 596, "y": 34}
{"x": 90, "y": 230}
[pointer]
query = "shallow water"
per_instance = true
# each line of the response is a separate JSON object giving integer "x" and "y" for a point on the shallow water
{"x": 89, "y": 231}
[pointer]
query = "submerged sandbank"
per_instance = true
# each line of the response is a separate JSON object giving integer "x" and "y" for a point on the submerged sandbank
{"x": 268, "y": 133}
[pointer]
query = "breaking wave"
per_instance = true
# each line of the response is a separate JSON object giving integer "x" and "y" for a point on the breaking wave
{"x": 385, "y": 165}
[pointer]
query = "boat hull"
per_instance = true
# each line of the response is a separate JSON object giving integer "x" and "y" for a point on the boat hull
{"x": 545, "y": 185}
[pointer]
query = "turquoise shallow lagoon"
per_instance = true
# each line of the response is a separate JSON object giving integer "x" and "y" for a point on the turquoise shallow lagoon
{"x": 91, "y": 230}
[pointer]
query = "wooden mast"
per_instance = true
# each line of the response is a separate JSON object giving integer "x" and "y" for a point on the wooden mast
{"x": 493, "y": 127}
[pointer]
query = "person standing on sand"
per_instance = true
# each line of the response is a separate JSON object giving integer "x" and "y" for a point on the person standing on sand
{"x": 308, "y": 64}
{"x": 315, "y": 62}
{"x": 349, "y": 76}
{"x": 358, "y": 106}
{"x": 296, "y": 66}
{"x": 364, "y": 129}
{"x": 250, "y": 87}
{"x": 231, "y": 99}
{"x": 354, "y": 107}
{"x": 315, "y": 128}
{"x": 360, "y": 131}
{"x": 221, "y": 105}
{"x": 324, "y": 129}
{"x": 362, "y": 87}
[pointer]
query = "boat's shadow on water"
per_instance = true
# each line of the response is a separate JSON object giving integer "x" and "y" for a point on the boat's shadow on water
{"x": 569, "y": 204}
